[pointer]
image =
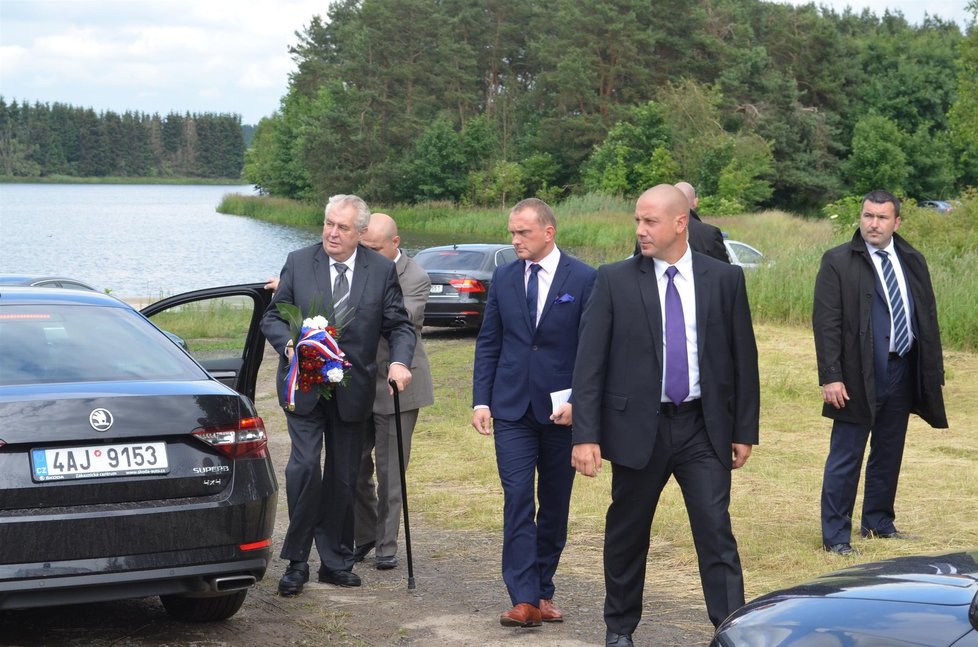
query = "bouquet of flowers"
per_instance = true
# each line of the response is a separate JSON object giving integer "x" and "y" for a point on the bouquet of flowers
{"x": 317, "y": 362}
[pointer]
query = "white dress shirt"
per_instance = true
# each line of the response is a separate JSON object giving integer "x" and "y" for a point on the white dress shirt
{"x": 685, "y": 287}
{"x": 901, "y": 281}
{"x": 545, "y": 277}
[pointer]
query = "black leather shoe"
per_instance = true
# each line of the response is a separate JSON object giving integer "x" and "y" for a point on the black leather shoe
{"x": 362, "y": 550}
{"x": 611, "y": 639}
{"x": 896, "y": 534}
{"x": 295, "y": 576}
{"x": 386, "y": 563}
{"x": 841, "y": 549}
{"x": 339, "y": 578}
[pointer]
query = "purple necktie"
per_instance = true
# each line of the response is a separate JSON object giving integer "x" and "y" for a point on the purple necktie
{"x": 677, "y": 364}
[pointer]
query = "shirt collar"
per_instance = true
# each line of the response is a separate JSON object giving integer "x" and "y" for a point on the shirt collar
{"x": 348, "y": 262}
{"x": 684, "y": 265}
{"x": 548, "y": 263}
{"x": 889, "y": 249}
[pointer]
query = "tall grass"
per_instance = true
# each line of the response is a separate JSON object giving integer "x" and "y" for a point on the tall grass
{"x": 600, "y": 229}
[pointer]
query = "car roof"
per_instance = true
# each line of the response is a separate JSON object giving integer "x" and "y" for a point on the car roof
{"x": 31, "y": 295}
{"x": 31, "y": 279}
{"x": 466, "y": 246}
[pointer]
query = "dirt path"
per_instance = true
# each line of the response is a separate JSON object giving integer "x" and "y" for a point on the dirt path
{"x": 457, "y": 600}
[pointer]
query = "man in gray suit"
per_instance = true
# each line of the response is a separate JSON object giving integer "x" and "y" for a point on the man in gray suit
{"x": 666, "y": 384}
{"x": 320, "y": 496}
{"x": 378, "y": 508}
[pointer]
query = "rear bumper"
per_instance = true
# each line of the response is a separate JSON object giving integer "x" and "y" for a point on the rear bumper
{"x": 458, "y": 315}
{"x": 86, "y": 580}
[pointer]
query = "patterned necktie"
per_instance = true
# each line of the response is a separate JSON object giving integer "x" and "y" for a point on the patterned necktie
{"x": 531, "y": 293}
{"x": 341, "y": 292}
{"x": 677, "y": 364}
{"x": 901, "y": 333}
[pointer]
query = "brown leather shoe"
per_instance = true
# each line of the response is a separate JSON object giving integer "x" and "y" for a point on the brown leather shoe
{"x": 550, "y": 612}
{"x": 522, "y": 615}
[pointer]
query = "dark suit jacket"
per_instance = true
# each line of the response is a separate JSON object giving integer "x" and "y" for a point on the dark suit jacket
{"x": 415, "y": 285}
{"x": 849, "y": 323}
{"x": 618, "y": 375}
{"x": 378, "y": 311}
{"x": 515, "y": 364}
{"x": 706, "y": 239}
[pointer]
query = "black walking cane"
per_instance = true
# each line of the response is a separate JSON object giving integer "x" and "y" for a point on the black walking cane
{"x": 400, "y": 462}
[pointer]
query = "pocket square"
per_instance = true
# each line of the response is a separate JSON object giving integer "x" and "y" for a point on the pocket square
{"x": 564, "y": 297}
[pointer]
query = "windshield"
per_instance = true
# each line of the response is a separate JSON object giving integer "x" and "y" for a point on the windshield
{"x": 43, "y": 343}
{"x": 451, "y": 259}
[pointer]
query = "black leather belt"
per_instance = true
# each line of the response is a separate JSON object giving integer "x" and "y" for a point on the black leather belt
{"x": 670, "y": 410}
{"x": 894, "y": 357}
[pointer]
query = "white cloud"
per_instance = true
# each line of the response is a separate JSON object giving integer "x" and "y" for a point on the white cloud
{"x": 144, "y": 55}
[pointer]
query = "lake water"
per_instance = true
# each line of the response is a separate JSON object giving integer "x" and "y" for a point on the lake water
{"x": 141, "y": 240}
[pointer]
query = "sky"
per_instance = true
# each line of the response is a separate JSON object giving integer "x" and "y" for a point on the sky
{"x": 223, "y": 56}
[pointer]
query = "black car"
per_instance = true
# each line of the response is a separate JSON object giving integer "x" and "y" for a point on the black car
{"x": 128, "y": 467}
{"x": 921, "y": 601}
{"x": 460, "y": 278}
{"x": 44, "y": 281}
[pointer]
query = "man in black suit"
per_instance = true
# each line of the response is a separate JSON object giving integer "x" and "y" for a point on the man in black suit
{"x": 879, "y": 360}
{"x": 320, "y": 496}
{"x": 666, "y": 383}
{"x": 703, "y": 238}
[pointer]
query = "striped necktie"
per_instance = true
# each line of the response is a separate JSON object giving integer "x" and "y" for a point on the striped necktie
{"x": 901, "y": 332}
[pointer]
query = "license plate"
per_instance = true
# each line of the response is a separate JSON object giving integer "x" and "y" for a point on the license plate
{"x": 99, "y": 461}
{"x": 436, "y": 288}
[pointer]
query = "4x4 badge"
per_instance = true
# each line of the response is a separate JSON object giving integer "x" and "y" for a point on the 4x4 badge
{"x": 100, "y": 419}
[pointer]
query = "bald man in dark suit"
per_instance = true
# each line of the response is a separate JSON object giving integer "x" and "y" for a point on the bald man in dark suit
{"x": 666, "y": 384}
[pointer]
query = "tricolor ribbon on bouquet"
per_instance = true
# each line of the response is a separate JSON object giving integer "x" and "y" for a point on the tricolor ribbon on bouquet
{"x": 324, "y": 346}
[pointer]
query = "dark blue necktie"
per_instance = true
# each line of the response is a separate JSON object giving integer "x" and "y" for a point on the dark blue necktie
{"x": 531, "y": 293}
{"x": 677, "y": 364}
{"x": 901, "y": 333}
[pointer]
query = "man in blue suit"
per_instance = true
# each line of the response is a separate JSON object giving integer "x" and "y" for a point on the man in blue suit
{"x": 524, "y": 353}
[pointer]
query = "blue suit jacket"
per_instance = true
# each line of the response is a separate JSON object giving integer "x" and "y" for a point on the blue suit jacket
{"x": 515, "y": 365}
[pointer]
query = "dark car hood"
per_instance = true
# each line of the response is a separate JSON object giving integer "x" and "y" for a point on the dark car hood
{"x": 920, "y": 600}
{"x": 941, "y": 579}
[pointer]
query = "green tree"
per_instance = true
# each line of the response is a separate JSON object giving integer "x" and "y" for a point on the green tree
{"x": 877, "y": 160}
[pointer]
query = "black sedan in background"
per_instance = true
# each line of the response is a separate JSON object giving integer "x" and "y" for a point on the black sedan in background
{"x": 460, "y": 278}
{"x": 915, "y": 601}
{"x": 128, "y": 467}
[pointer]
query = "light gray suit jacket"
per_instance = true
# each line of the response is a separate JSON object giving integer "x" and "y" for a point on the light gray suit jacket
{"x": 415, "y": 285}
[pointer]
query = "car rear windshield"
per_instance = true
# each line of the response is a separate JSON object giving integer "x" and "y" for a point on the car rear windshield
{"x": 451, "y": 259}
{"x": 77, "y": 343}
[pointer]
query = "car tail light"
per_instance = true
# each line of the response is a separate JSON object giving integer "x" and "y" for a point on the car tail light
{"x": 246, "y": 439}
{"x": 467, "y": 285}
{"x": 255, "y": 545}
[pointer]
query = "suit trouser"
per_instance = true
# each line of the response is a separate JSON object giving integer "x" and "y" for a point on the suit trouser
{"x": 320, "y": 494}
{"x": 533, "y": 539}
{"x": 683, "y": 449}
{"x": 846, "y": 448}
{"x": 378, "y": 506}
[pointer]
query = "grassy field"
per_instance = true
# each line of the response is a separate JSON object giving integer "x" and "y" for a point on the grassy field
{"x": 775, "y": 497}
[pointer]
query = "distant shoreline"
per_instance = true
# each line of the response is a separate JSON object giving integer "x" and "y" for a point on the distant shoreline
{"x": 69, "y": 179}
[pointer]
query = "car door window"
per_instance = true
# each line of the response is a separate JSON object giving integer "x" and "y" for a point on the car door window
{"x": 219, "y": 329}
{"x": 747, "y": 255}
{"x": 504, "y": 256}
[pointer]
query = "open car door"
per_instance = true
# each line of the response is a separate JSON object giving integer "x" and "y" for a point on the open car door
{"x": 219, "y": 327}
